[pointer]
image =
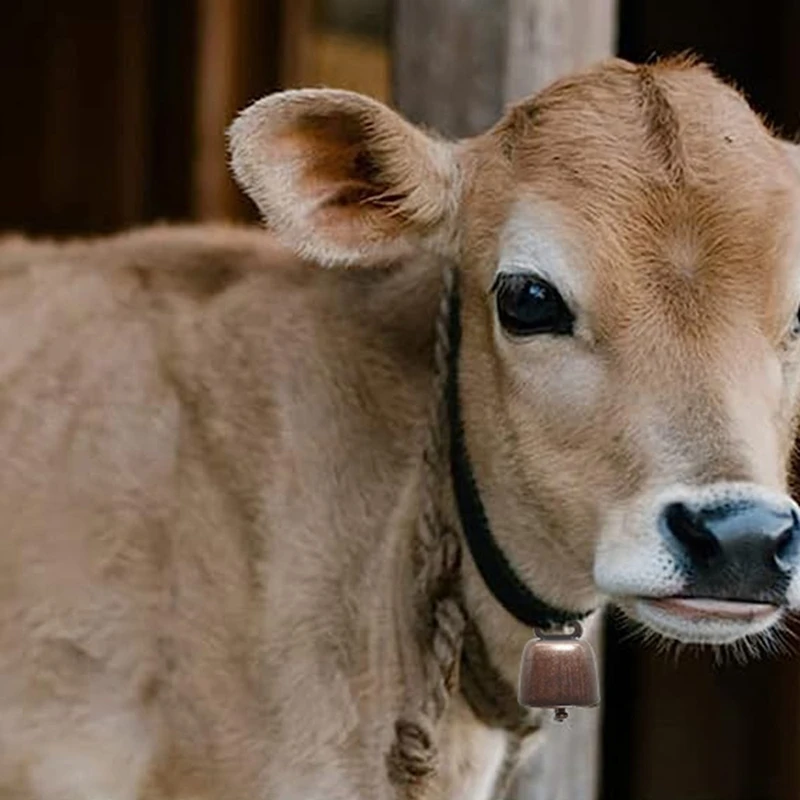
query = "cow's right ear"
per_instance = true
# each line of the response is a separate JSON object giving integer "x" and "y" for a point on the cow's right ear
{"x": 342, "y": 179}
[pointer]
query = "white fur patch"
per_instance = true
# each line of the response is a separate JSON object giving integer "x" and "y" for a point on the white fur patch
{"x": 534, "y": 240}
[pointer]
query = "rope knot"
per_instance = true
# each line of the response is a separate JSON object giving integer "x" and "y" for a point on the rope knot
{"x": 413, "y": 758}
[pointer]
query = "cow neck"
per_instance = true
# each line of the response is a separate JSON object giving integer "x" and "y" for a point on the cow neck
{"x": 507, "y": 588}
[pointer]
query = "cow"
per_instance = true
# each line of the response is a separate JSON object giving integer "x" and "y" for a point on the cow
{"x": 280, "y": 507}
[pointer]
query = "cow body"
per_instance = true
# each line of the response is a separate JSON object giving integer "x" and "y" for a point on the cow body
{"x": 218, "y": 463}
{"x": 194, "y": 426}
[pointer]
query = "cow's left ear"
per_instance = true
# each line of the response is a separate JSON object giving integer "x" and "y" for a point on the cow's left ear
{"x": 342, "y": 179}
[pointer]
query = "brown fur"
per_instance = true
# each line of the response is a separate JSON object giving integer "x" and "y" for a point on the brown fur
{"x": 212, "y": 450}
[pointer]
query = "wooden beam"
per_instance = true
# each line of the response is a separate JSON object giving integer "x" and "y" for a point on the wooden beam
{"x": 296, "y": 43}
{"x": 134, "y": 19}
{"x": 214, "y": 194}
{"x": 457, "y": 63}
{"x": 448, "y": 63}
{"x": 237, "y": 62}
{"x": 550, "y": 38}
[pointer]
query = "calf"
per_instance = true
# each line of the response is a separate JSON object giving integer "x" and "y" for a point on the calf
{"x": 277, "y": 526}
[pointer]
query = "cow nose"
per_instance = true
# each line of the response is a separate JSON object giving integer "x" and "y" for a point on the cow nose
{"x": 742, "y": 549}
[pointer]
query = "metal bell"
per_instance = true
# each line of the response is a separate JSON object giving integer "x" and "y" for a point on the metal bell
{"x": 558, "y": 670}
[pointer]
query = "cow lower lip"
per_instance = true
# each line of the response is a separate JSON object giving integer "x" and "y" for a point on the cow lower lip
{"x": 699, "y": 608}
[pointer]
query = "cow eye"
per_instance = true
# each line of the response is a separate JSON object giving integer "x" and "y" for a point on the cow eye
{"x": 528, "y": 305}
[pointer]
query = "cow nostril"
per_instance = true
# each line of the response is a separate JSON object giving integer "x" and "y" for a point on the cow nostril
{"x": 688, "y": 528}
{"x": 742, "y": 548}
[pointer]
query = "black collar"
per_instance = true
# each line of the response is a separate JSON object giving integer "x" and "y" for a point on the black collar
{"x": 507, "y": 587}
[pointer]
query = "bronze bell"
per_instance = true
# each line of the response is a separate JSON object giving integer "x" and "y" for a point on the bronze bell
{"x": 558, "y": 670}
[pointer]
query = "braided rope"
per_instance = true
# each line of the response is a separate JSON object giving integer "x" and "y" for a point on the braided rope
{"x": 413, "y": 758}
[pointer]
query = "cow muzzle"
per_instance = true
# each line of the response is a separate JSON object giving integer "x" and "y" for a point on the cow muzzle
{"x": 708, "y": 564}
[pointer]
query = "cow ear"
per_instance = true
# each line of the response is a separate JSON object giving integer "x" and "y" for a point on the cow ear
{"x": 342, "y": 179}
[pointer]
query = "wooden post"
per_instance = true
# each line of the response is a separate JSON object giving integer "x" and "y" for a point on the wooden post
{"x": 237, "y": 62}
{"x": 549, "y": 38}
{"x": 456, "y": 64}
{"x": 214, "y": 193}
{"x": 448, "y": 63}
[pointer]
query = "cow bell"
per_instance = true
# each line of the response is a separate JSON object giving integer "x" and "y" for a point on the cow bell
{"x": 559, "y": 669}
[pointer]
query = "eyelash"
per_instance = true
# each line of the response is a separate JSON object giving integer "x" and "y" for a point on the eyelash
{"x": 505, "y": 275}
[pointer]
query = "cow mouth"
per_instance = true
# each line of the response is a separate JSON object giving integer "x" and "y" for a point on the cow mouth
{"x": 704, "y": 620}
{"x": 700, "y": 608}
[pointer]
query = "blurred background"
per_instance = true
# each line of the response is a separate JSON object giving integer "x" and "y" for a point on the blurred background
{"x": 115, "y": 116}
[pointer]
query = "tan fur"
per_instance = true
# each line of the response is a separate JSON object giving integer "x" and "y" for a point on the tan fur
{"x": 341, "y": 177}
{"x": 211, "y": 470}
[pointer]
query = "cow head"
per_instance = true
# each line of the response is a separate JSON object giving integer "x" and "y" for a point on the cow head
{"x": 628, "y": 249}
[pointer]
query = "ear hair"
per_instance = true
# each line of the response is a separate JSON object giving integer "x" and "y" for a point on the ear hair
{"x": 343, "y": 179}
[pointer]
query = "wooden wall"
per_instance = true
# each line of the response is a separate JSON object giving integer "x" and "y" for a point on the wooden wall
{"x": 113, "y": 110}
